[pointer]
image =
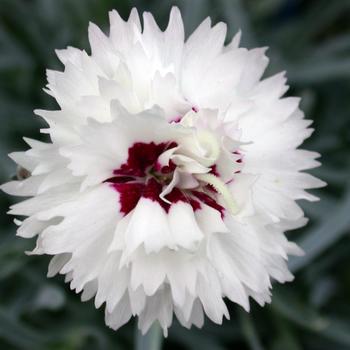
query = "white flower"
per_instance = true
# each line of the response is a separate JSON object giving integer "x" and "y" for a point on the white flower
{"x": 171, "y": 175}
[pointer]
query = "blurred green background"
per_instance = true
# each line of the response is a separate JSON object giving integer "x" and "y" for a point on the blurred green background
{"x": 311, "y": 40}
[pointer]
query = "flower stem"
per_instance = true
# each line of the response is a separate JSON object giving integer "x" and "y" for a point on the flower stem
{"x": 152, "y": 340}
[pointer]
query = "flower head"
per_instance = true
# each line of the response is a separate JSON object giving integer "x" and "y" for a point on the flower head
{"x": 171, "y": 175}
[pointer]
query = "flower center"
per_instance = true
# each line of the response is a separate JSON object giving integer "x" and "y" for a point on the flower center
{"x": 186, "y": 170}
{"x": 143, "y": 175}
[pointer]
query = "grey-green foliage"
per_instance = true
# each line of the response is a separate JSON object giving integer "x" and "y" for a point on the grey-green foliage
{"x": 311, "y": 40}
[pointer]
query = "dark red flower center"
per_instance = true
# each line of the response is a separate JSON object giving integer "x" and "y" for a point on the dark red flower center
{"x": 142, "y": 176}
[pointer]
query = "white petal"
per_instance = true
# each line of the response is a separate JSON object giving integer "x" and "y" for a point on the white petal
{"x": 183, "y": 226}
{"x": 158, "y": 307}
{"x": 120, "y": 315}
{"x": 56, "y": 263}
{"x": 148, "y": 226}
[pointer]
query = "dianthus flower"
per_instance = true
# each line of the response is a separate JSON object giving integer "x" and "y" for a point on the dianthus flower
{"x": 172, "y": 173}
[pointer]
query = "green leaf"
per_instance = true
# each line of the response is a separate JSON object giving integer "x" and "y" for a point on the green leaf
{"x": 249, "y": 331}
{"x": 17, "y": 334}
{"x": 49, "y": 297}
{"x": 326, "y": 233}
{"x": 308, "y": 318}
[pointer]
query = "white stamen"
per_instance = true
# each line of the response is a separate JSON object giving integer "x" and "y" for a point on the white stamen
{"x": 210, "y": 144}
{"x": 221, "y": 188}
